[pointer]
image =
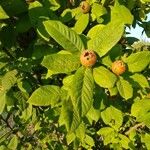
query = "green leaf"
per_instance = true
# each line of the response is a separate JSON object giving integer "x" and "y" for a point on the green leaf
{"x": 2, "y": 100}
{"x": 98, "y": 10}
{"x": 13, "y": 143}
{"x": 145, "y": 139}
{"x": 89, "y": 140}
{"x": 105, "y": 39}
{"x": 3, "y": 14}
{"x": 108, "y": 134}
{"x": 45, "y": 95}
{"x": 113, "y": 117}
{"x": 81, "y": 23}
{"x": 95, "y": 30}
{"x": 120, "y": 11}
{"x": 66, "y": 115}
{"x": 70, "y": 137}
{"x": 82, "y": 90}
{"x": 103, "y": 77}
{"x": 141, "y": 110}
{"x": 36, "y": 10}
{"x": 125, "y": 142}
{"x": 61, "y": 63}
{"x": 9, "y": 79}
{"x": 140, "y": 79}
{"x": 80, "y": 132}
{"x": 137, "y": 62}
{"x": 66, "y": 37}
{"x": 125, "y": 88}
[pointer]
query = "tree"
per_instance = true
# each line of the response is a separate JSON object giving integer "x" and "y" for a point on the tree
{"x": 69, "y": 76}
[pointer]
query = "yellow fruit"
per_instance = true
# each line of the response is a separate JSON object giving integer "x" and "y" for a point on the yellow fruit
{"x": 118, "y": 67}
{"x": 85, "y": 7}
{"x": 88, "y": 58}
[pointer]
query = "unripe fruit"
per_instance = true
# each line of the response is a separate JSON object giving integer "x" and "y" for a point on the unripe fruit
{"x": 118, "y": 67}
{"x": 88, "y": 58}
{"x": 85, "y": 7}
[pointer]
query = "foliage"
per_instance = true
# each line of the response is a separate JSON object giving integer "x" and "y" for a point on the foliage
{"x": 48, "y": 100}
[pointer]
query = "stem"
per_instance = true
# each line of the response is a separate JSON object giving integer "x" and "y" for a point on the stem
{"x": 135, "y": 127}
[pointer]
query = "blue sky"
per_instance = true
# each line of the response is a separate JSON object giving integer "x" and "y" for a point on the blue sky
{"x": 137, "y": 32}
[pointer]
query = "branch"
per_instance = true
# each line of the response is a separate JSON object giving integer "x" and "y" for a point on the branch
{"x": 135, "y": 127}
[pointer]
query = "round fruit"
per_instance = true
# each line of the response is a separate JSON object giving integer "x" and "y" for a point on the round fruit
{"x": 85, "y": 7}
{"x": 88, "y": 58}
{"x": 118, "y": 67}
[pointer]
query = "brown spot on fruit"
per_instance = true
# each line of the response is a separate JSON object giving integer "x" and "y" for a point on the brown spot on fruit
{"x": 88, "y": 58}
{"x": 85, "y": 7}
{"x": 118, "y": 67}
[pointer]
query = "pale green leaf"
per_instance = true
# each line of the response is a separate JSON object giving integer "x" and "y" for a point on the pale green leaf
{"x": 9, "y": 79}
{"x": 140, "y": 79}
{"x": 95, "y": 30}
{"x": 125, "y": 88}
{"x": 3, "y": 14}
{"x": 107, "y": 37}
{"x": 145, "y": 138}
{"x": 103, "y": 77}
{"x": 141, "y": 110}
{"x": 13, "y": 143}
{"x": 98, "y": 10}
{"x": 2, "y": 100}
{"x": 66, "y": 37}
{"x": 45, "y": 95}
{"x": 89, "y": 140}
{"x": 82, "y": 90}
{"x": 123, "y": 13}
{"x": 81, "y": 23}
{"x": 61, "y": 63}
{"x": 107, "y": 133}
{"x": 113, "y": 117}
{"x": 70, "y": 137}
{"x": 137, "y": 62}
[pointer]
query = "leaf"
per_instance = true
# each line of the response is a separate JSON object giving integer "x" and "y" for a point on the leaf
{"x": 140, "y": 79}
{"x": 107, "y": 38}
{"x": 13, "y": 143}
{"x": 66, "y": 37}
{"x": 120, "y": 11}
{"x": 9, "y": 79}
{"x": 107, "y": 133}
{"x": 61, "y": 63}
{"x": 36, "y": 10}
{"x": 145, "y": 139}
{"x": 81, "y": 23}
{"x": 3, "y": 14}
{"x": 82, "y": 90}
{"x": 125, "y": 88}
{"x": 66, "y": 115}
{"x": 103, "y": 77}
{"x": 98, "y": 10}
{"x": 141, "y": 110}
{"x": 89, "y": 140}
{"x": 45, "y": 95}
{"x": 137, "y": 62}
{"x": 70, "y": 137}
{"x": 95, "y": 30}
{"x": 80, "y": 132}
{"x": 2, "y": 100}
{"x": 113, "y": 117}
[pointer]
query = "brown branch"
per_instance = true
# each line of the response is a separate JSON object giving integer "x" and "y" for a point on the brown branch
{"x": 135, "y": 127}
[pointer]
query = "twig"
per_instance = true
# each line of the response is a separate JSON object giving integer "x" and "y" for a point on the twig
{"x": 135, "y": 128}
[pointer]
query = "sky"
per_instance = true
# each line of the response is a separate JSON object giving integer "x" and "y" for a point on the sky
{"x": 137, "y": 32}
